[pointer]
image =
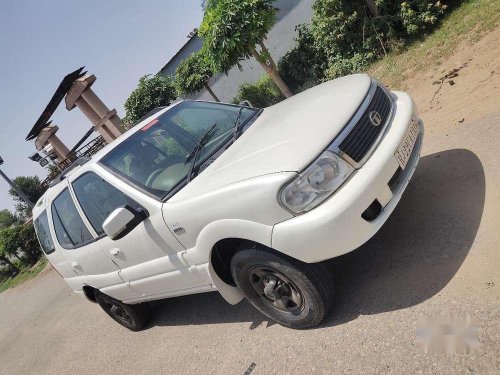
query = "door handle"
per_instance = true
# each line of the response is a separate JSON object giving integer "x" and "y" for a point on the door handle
{"x": 115, "y": 252}
{"x": 76, "y": 266}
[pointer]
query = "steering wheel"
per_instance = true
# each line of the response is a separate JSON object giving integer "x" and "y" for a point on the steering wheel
{"x": 152, "y": 177}
{"x": 174, "y": 159}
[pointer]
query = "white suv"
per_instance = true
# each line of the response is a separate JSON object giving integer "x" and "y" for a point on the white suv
{"x": 207, "y": 196}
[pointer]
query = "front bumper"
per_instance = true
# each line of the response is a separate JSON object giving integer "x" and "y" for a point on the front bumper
{"x": 336, "y": 226}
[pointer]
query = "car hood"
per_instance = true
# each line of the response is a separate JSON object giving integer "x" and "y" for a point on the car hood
{"x": 287, "y": 136}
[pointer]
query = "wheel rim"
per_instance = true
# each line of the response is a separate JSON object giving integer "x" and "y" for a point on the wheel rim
{"x": 117, "y": 311}
{"x": 275, "y": 289}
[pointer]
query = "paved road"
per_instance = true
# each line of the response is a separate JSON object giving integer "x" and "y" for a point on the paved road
{"x": 438, "y": 252}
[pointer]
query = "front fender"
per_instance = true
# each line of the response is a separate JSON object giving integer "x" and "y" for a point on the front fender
{"x": 220, "y": 230}
{"x": 246, "y": 209}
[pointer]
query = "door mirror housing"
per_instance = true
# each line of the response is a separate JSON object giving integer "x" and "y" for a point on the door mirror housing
{"x": 123, "y": 220}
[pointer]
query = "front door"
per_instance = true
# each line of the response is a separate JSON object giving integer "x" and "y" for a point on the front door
{"x": 149, "y": 257}
{"x": 89, "y": 265}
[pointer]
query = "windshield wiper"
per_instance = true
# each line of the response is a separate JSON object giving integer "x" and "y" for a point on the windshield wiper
{"x": 193, "y": 155}
{"x": 237, "y": 125}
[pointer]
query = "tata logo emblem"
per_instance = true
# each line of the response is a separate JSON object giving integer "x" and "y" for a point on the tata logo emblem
{"x": 375, "y": 118}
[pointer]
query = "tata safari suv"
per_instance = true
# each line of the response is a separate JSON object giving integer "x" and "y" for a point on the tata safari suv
{"x": 248, "y": 202}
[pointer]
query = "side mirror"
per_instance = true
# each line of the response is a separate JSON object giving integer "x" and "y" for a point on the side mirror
{"x": 122, "y": 220}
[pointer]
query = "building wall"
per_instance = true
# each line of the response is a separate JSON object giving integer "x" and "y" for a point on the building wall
{"x": 280, "y": 40}
{"x": 193, "y": 45}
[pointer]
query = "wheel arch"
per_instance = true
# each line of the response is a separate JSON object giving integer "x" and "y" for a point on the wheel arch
{"x": 219, "y": 241}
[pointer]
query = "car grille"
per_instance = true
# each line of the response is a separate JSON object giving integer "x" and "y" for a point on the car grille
{"x": 363, "y": 135}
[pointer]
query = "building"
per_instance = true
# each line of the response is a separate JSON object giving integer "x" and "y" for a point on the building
{"x": 280, "y": 39}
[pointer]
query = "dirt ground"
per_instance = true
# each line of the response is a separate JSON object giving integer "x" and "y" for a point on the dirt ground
{"x": 438, "y": 253}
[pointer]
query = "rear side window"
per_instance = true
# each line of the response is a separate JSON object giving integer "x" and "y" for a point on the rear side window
{"x": 70, "y": 230}
{"x": 43, "y": 233}
{"x": 98, "y": 199}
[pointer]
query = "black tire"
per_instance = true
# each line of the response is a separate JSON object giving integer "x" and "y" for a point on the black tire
{"x": 133, "y": 317}
{"x": 298, "y": 295}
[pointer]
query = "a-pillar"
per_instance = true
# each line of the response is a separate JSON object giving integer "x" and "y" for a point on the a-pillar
{"x": 106, "y": 122}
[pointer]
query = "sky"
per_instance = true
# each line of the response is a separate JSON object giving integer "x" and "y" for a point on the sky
{"x": 40, "y": 42}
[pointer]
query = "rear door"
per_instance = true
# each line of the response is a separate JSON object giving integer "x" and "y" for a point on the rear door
{"x": 45, "y": 238}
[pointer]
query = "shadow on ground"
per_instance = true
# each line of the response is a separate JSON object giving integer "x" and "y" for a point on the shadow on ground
{"x": 415, "y": 254}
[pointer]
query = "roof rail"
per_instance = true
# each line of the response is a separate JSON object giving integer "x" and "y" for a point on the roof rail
{"x": 77, "y": 163}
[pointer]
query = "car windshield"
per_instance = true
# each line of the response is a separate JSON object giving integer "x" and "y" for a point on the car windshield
{"x": 156, "y": 157}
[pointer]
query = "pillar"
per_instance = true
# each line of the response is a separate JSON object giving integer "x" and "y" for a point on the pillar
{"x": 48, "y": 137}
{"x": 106, "y": 122}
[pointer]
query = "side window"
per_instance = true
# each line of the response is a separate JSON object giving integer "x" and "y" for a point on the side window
{"x": 70, "y": 230}
{"x": 43, "y": 233}
{"x": 98, "y": 199}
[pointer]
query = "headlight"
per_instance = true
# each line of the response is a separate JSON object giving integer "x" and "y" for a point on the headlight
{"x": 316, "y": 183}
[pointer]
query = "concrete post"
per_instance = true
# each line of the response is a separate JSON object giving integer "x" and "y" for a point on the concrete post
{"x": 48, "y": 137}
{"x": 106, "y": 122}
{"x": 60, "y": 148}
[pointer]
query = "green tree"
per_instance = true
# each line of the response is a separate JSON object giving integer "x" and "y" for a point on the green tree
{"x": 233, "y": 30}
{"x": 7, "y": 219}
{"x": 28, "y": 242}
{"x": 20, "y": 242}
{"x": 152, "y": 91}
{"x": 4, "y": 260}
{"x": 193, "y": 73}
{"x": 30, "y": 185}
{"x": 8, "y": 242}
{"x": 8, "y": 267}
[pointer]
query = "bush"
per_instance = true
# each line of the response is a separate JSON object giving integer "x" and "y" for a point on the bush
{"x": 343, "y": 37}
{"x": 414, "y": 16}
{"x": 262, "y": 93}
{"x": 304, "y": 65}
{"x": 29, "y": 242}
{"x": 20, "y": 242}
{"x": 338, "y": 28}
{"x": 151, "y": 92}
{"x": 351, "y": 37}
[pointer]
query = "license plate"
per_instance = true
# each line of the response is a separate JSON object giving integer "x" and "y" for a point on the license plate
{"x": 405, "y": 148}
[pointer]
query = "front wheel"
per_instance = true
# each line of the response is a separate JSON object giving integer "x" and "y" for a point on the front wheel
{"x": 293, "y": 293}
{"x": 133, "y": 317}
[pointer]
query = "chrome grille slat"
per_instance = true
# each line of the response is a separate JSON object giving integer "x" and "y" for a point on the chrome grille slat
{"x": 359, "y": 145}
{"x": 362, "y": 126}
{"x": 365, "y": 143}
{"x": 360, "y": 140}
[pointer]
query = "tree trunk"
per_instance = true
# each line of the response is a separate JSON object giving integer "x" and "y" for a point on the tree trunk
{"x": 6, "y": 260}
{"x": 266, "y": 61}
{"x": 17, "y": 256}
{"x": 207, "y": 87}
{"x": 372, "y": 7}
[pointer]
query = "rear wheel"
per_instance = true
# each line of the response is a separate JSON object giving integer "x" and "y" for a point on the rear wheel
{"x": 294, "y": 294}
{"x": 133, "y": 317}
